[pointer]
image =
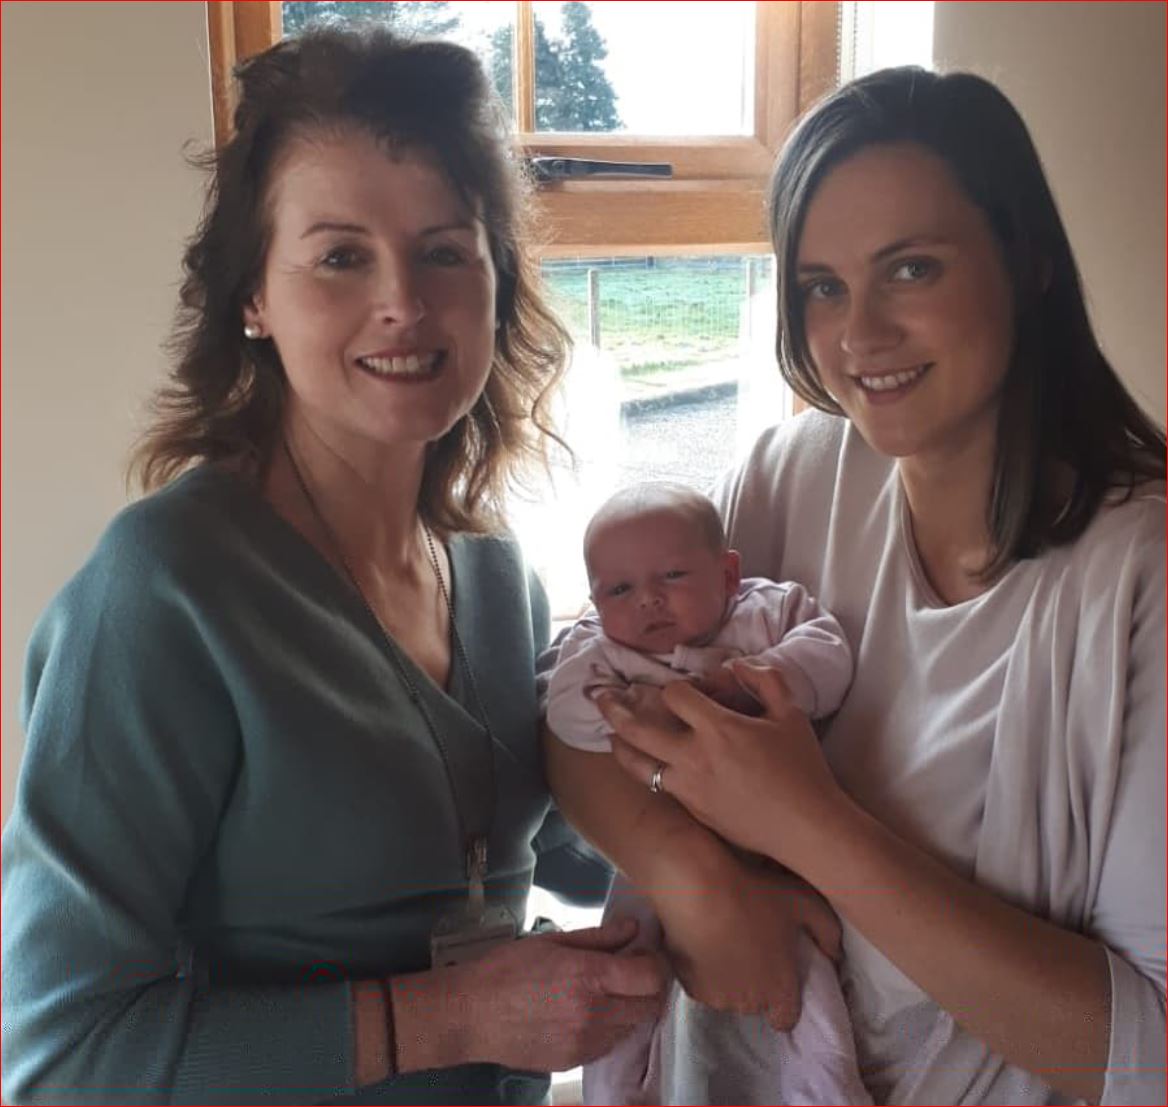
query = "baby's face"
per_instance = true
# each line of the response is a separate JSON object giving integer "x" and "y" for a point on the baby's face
{"x": 656, "y": 582}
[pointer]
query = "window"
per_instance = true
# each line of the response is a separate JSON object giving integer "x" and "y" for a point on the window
{"x": 877, "y": 35}
{"x": 756, "y": 66}
{"x": 673, "y": 376}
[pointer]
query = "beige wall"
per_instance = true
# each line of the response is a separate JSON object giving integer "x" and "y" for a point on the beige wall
{"x": 1089, "y": 80}
{"x": 98, "y": 100}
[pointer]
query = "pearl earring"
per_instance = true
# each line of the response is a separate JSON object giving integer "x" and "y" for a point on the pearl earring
{"x": 252, "y": 330}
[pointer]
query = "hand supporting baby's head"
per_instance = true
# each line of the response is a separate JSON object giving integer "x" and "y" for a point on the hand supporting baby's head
{"x": 659, "y": 569}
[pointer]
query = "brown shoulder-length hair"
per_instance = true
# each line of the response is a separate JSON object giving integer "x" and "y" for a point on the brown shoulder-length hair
{"x": 224, "y": 400}
{"x": 1062, "y": 406}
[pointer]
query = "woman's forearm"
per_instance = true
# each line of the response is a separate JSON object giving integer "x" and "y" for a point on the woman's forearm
{"x": 731, "y": 927}
{"x": 544, "y": 1003}
{"x": 1035, "y": 993}
{"x": 429, "y": 1025}
{"x": 372, "y": 1062}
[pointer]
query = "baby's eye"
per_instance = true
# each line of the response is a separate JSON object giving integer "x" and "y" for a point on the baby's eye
{"x": 676, "y": 574}
{"x": 914, "y": 269}
{"x": 343, "y": 257}
{"x": 618, "y": 590}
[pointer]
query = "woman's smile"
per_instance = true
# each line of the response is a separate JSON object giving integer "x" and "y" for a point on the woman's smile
{"x": 400, "y": 365}
{"x": 890, "y": 385}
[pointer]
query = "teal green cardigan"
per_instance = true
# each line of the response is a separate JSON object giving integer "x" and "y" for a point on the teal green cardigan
{"x": 228, "y": 808}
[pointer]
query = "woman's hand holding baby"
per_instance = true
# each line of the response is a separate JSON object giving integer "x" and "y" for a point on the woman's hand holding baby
{"x": 762, "y": 783}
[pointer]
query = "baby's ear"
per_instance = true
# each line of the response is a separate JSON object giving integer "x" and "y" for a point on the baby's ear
{"x": 732, "y": 568}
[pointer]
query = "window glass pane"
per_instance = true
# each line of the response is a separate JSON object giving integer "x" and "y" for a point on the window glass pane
{"x": 486, "y": 27}
{"x": 645, "y": 68}
{"x": 878, "y": 35}
{"x": 672, "y": 378}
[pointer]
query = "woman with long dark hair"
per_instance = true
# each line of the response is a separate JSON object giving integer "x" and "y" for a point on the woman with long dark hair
{"x": 981, "y": 504}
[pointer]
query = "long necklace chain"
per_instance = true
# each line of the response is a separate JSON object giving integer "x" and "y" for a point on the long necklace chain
{"x": 474, "y": 843}
{"x": 460, "y": 649}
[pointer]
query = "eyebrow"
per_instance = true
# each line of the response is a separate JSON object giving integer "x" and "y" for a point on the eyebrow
{"x": 909, "y": 243}
{"x": 326, "y": 225}
{"x": 356, "y": 228}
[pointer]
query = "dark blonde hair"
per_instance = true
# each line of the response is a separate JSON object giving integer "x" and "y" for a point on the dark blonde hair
{"x": 224, "y": 400}
{"x": 1062, "y": 405}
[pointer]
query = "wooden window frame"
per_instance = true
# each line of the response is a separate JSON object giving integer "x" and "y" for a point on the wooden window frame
{"x": 714, "y": 202}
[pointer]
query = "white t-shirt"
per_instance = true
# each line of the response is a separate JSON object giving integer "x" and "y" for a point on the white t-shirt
{"x": 1018, "y": 736}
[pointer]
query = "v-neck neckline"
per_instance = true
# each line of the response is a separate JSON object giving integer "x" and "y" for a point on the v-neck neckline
{"x": 455, "y": 690}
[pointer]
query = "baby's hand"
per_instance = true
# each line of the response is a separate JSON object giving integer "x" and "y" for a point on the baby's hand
{"x": 722, "y": 685}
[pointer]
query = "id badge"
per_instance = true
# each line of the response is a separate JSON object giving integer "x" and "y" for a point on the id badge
{"x": 463, "y": 937}
{"x": 477, "y": 929}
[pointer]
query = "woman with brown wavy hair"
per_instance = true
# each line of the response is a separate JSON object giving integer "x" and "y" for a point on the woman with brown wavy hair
{"x": 274, "y": 823}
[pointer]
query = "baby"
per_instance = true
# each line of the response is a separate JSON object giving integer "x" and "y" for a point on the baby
{"x": 670, "y": 604}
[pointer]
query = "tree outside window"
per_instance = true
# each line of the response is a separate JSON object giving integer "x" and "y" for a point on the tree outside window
{"x": 573, "y": 94}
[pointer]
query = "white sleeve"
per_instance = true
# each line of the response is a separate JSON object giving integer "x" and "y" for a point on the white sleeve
{"x": 581, "y": 669}
{"x": 809, "y": 646}
{"x": 1129, "y": 911}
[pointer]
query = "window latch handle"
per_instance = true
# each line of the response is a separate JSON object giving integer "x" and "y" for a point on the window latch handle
{"x": 562, "y": 169}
